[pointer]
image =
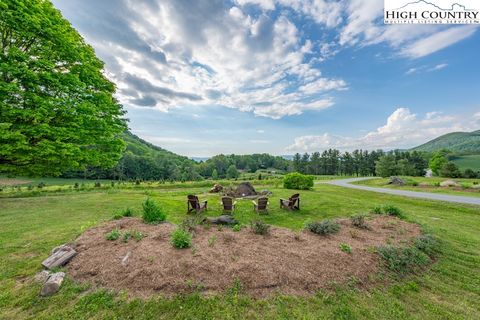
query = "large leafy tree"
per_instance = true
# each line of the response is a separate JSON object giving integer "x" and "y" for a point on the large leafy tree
{"x": 57, "y": 110}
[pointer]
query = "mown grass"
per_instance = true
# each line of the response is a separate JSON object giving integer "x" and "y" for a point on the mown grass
{"x": 30, "y": 227}
{"x": 468, "y": 162}
{"x": 431, "y": 185}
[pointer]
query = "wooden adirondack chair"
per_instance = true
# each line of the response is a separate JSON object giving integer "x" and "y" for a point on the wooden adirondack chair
{"x": 228, "y": 205}
{"x": 293, "y": 203}
{"x": 193, "y": 204}
{"x": 261, "y": 206}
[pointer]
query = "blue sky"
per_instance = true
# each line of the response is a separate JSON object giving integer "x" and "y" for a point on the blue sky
{"x": 203, "y": 77}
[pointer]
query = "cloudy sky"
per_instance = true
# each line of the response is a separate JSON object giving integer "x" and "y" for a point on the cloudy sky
{"x": 203, "y": 77}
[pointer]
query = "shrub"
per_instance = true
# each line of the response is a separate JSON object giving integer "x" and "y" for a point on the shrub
{"x": 298, "y": 181}
{"x": 41, "y": 185}
{"x": 113, "y": 235}
{"x": 138, "y": 235}
{"x": 152, "y": 213}
{"x": 117, "y": 216}
{"x": 237, "y": 228}
{"x": 260, "y": 227}
{"x": 98, "y": 184}
{"x": 402, "y": 259}
{"x": 323, "y": 227}
{"x": 359, "y": 221}
{"x": 181, "y": 239}
{"x": 392, "y": 211}
{"x": 126, "y": 236}
{"x": 345, "y": 248}
{"x": 376, "y": 210}
{"x": 127, "y": 212}
{"x": 427, "y": 244}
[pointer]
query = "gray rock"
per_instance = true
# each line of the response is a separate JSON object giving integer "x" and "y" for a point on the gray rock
{"x": 224, "y": 219}
{"x": 61, "y": 256}
{"x": 52, "y": 285}
{"x": 396, "y": 181}
{"x": 449, "y": 183}
{"x": 42, "y": 276}
{"x": 265, "y": 193}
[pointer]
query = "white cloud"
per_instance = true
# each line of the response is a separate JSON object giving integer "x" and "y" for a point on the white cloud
{"x": 439, "y": 67}
{"x": 438, "y": 41}
{"x": 403, "y": 129}
{"x": 172, "y": 53}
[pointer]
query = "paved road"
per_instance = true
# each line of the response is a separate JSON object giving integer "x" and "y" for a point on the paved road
{"x": 413, "y": 194}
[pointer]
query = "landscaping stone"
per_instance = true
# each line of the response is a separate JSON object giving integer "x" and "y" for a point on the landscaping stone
{"x": 216, "y": 188}
{"x": 59, "y": 257}
{"x": 449, "y": 183}
{"x": 245, "y": 189}
{"x": 42, "y": 276}
{"x": 223, "y": 219}
{"x": 52, "y": 285}
{"x": 396, "y": 181}
{"x": 265, "y": 193}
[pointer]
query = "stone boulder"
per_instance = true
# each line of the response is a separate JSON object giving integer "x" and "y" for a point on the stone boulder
{"x": 396, "y": 181}
{"x": 449, "y": 183}
{"x": 245, "y": 189}
{"x": 266, "y": 193}
{"x": 216, "y": 188}
{"x": 223, "y": 219}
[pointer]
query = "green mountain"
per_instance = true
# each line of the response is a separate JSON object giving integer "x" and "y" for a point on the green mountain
{"x": 458, "y": 142}
{"x": 142, "y": 148}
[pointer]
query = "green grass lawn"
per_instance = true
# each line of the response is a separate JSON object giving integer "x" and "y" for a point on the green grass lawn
{"x": 30, "y": 227}
{"x": 464, "y": 190}
{"x": 468, "y": 162}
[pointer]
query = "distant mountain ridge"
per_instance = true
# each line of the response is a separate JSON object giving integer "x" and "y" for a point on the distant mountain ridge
{"x": 460, "y": 142}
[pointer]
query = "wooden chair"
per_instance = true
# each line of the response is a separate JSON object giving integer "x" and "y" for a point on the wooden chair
{"x": 193, "y": 204}
{"x": 228, "y": 205}
{"x": 261, "y": 206}
{"x": 293, "y": 203}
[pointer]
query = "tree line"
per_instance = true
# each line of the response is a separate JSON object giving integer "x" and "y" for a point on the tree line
{"x": 361, "y": 163}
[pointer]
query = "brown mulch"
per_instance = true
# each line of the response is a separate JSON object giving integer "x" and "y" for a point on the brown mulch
{"x": 282, "y": 262}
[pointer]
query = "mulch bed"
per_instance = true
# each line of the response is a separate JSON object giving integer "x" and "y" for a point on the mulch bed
{"x": 282, "y": 262}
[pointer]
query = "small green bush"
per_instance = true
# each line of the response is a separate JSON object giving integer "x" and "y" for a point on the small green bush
{"x": 323, "y": 227}
{"x": 237, "y": 228}
{"x": 298, "y": 181}
{"x": 376, "y": 210}
{"x": 113, "y": 235}
{"x": 128, "y": 212}
{"x": 427, "y": 244}
{"x": 260, "y": 227}
{"x": 127, "y": 235}
{"x": 152, "y": 213}
{"x": 392, "y": 211}
{"x": 358, "y": 221}
{"x": 190, "y": 222}
{"x": 117, "y": 216}
{"x": 138, "y": 235}
{"x": 402, "y": 260}
{"x": 181, "y": 239}
{"x": 345, "y": 248}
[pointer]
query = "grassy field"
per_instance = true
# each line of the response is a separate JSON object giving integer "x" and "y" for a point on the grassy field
{"x": 30, "y": 227}
{"x": 468, "y": 162}
{"x": 428, "y": 185}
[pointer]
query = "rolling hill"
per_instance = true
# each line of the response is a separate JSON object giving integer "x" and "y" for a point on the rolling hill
{"x": 458, "y": 142}
{"x": 139, "y": 147}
